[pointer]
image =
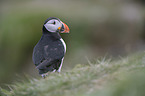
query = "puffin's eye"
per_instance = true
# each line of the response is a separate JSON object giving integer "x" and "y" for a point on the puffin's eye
{"x": 54, "y": 22}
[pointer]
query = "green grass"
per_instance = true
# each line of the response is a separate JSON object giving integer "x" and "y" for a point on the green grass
{"x": 105, "y": 77}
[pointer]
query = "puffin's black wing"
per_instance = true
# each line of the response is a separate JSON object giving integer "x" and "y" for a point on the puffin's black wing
{"x": 47, "y": 56}
{"x": 38, "y": 54}
{"x": 52, "y": 54}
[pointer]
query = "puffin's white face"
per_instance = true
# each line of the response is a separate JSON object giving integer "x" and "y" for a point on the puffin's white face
{"x": 53, "y": 25}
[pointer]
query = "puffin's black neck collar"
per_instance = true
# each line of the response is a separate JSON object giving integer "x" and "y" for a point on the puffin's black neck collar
{"x": 44, "y": 30}
{"x": 55, "y": 35}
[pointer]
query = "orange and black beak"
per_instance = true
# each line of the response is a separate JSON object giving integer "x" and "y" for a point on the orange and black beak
{"x": 64, "y": 28}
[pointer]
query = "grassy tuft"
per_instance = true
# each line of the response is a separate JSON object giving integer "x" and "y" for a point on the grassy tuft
{"x": 123, "y": 77}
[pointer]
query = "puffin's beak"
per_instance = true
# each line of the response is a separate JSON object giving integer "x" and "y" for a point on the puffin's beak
{"x": 64, "y": 28}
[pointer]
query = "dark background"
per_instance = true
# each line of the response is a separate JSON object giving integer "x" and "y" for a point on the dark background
{"x": 97, "y": 28}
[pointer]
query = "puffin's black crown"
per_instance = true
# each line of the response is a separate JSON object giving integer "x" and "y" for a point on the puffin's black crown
{"x": 50, "y": 19}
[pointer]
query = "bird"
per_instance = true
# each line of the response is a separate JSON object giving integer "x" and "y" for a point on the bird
{"x": 48, "y": 53}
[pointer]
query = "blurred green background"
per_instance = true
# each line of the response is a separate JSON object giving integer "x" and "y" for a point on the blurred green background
{"x": 97, "y": 27}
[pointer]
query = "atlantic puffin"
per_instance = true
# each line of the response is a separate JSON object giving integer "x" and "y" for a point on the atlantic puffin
{"x": 48, "y": 53}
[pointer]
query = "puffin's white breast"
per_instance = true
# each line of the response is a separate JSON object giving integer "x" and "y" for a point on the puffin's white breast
{"x": 63, "y": 44}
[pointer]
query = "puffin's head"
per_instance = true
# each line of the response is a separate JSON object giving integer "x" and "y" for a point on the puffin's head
{"x": 53, "y": 25}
